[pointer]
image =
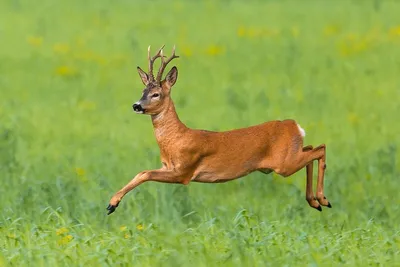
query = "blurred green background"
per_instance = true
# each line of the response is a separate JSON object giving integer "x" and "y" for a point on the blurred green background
{"x": 69, "y": 139}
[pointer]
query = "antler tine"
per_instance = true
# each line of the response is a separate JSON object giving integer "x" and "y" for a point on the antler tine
{"x": 152, "y": 59}
{"x": 164, "y": 64}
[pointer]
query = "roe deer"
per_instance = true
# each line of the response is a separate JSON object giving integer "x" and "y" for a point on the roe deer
{"x": 214, "y": 157}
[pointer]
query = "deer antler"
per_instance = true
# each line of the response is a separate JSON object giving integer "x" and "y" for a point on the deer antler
{"x": 164, "y": 63}
{"x": 151, "y": 61}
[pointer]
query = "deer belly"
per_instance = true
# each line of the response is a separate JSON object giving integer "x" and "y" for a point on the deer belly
{"x": 217, "y": 177}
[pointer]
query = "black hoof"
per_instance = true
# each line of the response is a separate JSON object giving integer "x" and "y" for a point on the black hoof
{"x": 329, "y": 205}
{"x": 319, "y": 208}
{"x": 111, "y": 209}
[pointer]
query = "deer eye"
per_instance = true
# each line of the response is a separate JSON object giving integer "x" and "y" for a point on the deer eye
{"x": 155, "y": 95}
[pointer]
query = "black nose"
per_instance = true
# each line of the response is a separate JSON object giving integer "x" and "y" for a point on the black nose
{"x": 137, "y": 107}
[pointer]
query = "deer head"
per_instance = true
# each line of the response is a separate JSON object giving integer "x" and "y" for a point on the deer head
{"x": 156, "y": 94}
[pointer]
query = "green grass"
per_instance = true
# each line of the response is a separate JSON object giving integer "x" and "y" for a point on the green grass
{"x": 69, "y": 138}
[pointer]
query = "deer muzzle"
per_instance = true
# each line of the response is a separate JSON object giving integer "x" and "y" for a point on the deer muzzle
{"x": 138, "y": 108}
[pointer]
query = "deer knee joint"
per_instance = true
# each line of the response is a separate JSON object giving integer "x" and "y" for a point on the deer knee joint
{"x": 322, "y": 146}
{"x": 144, "y": 175}
{"x": 307, "y": 148}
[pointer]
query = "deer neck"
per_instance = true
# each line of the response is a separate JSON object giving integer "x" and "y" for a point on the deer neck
{"x": 167, "y": 124}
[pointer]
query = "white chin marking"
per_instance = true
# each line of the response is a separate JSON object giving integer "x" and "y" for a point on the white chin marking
{"x": 139, "y": 112}
{"x": 301, "y": 130}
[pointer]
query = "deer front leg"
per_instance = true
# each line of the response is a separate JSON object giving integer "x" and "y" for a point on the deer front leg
{"x": 164, "y": 176}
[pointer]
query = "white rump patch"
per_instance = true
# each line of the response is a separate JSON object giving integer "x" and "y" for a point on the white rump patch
{"x": 301, "y": 130}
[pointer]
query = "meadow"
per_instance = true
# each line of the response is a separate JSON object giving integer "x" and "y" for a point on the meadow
{"x": 69, "y": 138}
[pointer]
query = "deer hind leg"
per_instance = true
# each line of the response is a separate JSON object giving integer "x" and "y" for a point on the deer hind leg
{"x": 309, "y": 185}
{"x": 320, "y": 182}
{"x": 303, "y": 158}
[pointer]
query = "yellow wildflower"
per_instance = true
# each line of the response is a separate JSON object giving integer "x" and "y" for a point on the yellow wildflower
{"x": 13, "y": 236}
{"x": 66, "y": 71}
{"x": 395, "y": 31}
{"x": 80, "y": 171}
{"x": 87, "y": 105}
{"x": 295, "y": 31}
{"x": 35, "y": 40}
{"x": 241, "y": 31}
{"x": 65, "y": 240}
{"x": 352, "y": 118}
{"x": 126, "y": 235}
{"x": 360, "y": 46}
{"x": 62, "y": 231}
{"x": 353, "y": 44}
{"x": 140, "y": 227}
{"x": 61, "y": 48}
{"x": 187, "y": 51}
{"x": 331, "y": 30}
{"x": 256, "y": 32}
{"x": 214, "y": 50}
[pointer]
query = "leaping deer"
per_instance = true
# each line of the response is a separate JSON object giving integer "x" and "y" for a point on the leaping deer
{"x": 215, "y": 157}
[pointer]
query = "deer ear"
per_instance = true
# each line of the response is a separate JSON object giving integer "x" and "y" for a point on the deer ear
{"x": 143, "y": 75}
{"x": 171, "y": 77}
